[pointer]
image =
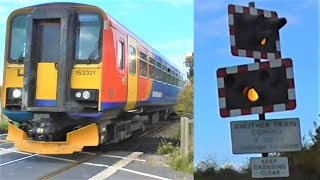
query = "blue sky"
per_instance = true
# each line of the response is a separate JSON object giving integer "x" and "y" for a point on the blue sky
{"x": 151, "y": 20}
{"x": 299, "y": 41}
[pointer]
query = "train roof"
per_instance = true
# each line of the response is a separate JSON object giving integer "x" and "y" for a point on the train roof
{"x": 114, "y": 22}
{"x": 142, "y": 42}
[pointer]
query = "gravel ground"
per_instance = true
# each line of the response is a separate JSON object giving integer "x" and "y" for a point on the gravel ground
{"x": 169, "y": 131}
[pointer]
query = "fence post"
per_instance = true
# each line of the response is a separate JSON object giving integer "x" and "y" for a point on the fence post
{"x": 182, "y": 142}
{"x": 184, "y": 136}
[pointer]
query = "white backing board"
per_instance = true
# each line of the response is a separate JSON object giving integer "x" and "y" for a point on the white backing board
{"x": 267, "y": 136}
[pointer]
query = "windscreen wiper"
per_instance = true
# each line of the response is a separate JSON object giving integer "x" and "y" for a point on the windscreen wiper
{"x": 21, "y": 57}
{"x": 94, "y": 52}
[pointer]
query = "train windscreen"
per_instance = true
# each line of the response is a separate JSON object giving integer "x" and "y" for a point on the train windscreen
{"x": 88, "y": 42}
{"x": 18, "y": 38}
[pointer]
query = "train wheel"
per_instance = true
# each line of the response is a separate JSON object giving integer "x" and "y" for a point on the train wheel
{"x": 155, "y": 117}
{"x": 165, "y": 114}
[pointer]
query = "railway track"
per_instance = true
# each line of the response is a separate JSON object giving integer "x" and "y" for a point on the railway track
{"x": 158, "y": 128}
{"x": 90, "y": 157}
{"x": 64, "y": 169}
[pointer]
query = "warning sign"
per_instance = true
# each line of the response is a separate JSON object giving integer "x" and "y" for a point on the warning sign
{"x": 278, "y": 135}
{"x": 269, "y": 167}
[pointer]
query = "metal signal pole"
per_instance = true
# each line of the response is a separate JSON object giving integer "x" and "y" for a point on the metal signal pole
{"x": 261, "y": 116}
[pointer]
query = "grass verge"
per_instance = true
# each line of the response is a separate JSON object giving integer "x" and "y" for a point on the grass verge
{"x": 177, "y": 161}
{"x": 3, "y": 127}
{"x": 176, "y": 135}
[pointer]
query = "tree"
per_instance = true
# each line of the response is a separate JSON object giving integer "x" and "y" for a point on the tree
{"x": 305, "y": 164}
{"x": 184, "y": 106}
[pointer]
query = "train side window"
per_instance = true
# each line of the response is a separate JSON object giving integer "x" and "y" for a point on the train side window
{"x": 164, "y": 73}
{"x": 132, "y": 60}
{"x": 158, "y": 72}
{"x": 18, "y": 38}
{"x": 176, "y": 79}
{"x": 151, "y": 68}
{"x": 120, "y": 60}
{"x": 169, "y": 76}
{"x": 143, "y": 66}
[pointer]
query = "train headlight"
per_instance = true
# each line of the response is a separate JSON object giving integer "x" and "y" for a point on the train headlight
{"x": 16, "y": 93}
{"x": 86, "y": 95}
{"x": 78, "y": 94}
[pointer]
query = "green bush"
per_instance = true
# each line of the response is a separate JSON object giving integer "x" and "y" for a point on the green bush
{"x": 166, "y": 148}
{"x": 182, "y": 163}
{"x": 3, "y": 127}
{"x": 184, "y": 106}
{"x": 176, "y": 135}
{"x": 177, "y": 162}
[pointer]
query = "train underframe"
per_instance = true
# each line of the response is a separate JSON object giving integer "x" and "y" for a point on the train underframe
{"x": 57, "y": 133}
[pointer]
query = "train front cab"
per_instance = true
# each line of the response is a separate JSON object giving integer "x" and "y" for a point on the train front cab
{"x": 45, "y": 67}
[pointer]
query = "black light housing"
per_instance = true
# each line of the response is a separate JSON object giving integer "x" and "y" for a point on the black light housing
{"x": 270, "y": 85}
{"x": 257, "y": 32}
{"x": 85, "y": 95}
{"x": 11, "y": 100}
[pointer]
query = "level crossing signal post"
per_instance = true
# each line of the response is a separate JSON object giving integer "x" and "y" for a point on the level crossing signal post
{"x": 259, "y": 88}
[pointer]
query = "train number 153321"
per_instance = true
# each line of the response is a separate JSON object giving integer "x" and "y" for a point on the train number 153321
{"x": 85, "y": 73}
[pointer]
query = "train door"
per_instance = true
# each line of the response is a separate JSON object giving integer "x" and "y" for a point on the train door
{"x": 132, "y": 74}
{"x": 121, "y": 65}
{"x": 48, "y": 61}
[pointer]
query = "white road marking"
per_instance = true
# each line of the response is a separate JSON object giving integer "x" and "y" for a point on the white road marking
{"x": 3, "y": 134}
{"x": 121, "y": 157}
{"x": 84, "y": 152}
{"x": 5, "y": 143}
{"x": 144, "y": 174}
{"x": 110, "y": 171}
{"x": 10, "y": 150}
{"x": 123, "y": 169}
{"x": 5, "y": 151}
{"x": 57, "y": 158}
{"x": 102, "y": 175}
{"x": 20, "y": 159}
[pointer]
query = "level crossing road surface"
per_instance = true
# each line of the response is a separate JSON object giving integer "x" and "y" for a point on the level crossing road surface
{"x": 92, "y": 164}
